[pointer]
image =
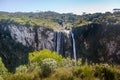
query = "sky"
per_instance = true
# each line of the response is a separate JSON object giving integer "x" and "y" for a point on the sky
{"x": 61, "y": 6}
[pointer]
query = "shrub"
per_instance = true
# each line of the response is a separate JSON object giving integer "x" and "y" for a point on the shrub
{"x": 48, "y": 66}
{"x": 38, "y": 56}
{"x": 33, "y": 66}
{"x": 20, "y": 76}
{"x": 79, "y": 62}
{"x": 68, "y": 62}
{"x": 32, "y": 71}
{"x": 35, "y": 74}
{"x": 105, "y": 72}
{"x": 84, "y": 72}
{"x": 22, "y": 69}
{"x": 1, "y": 78}
{"x": 62, "y": 74}
{"x": 117, "y": 70}
{"x": 3, "y": 69}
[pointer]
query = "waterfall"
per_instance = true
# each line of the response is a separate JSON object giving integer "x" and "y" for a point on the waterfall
{"x": 59, "y": 39}
{"x": 74, "y": 48}
{"x": 58, "y": 42}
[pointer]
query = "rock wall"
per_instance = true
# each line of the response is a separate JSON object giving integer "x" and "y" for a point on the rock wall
{"x": 16, "y": 41}
{"x": 37, "y": 37}
{"x": 98, "y": 43}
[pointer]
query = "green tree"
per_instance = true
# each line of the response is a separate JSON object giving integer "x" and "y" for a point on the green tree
{"x": 38, "y": 56}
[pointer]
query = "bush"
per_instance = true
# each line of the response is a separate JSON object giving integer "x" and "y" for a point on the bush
{"x": 1, "y": 78}
{"x": 62, "y": 74}
{"x": 79, "y": 62}
{"x": 68, "y": 62}
{"x": 33, "y": 66}
{"x": 33, "y": 71}
{"x": 48, "y": 66}
{"x": 35, "y": 74}
{"x": 22, "y": 69}
{"x": 20, "y": 76}
{"x": 3, "y": 69}
{"x": 117, "y": 70}
{"x": 84, "y": 72}
{"x": 38, "y": 56}
{"x": 105, "y": 72}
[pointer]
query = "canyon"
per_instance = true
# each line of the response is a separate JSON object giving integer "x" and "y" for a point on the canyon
{"x": 93, "y": 37}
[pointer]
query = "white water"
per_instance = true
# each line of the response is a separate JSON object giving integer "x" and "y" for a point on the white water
{"x": 58, "y": 42}
{"x": 74, "y": 49}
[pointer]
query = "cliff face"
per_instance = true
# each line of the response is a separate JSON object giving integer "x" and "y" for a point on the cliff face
{"x": 16, "y": 41}
{"x": 36, "y": 37}
{"x": 98, "y": 43}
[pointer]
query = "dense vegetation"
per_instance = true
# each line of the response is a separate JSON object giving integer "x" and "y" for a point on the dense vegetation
{"x": 47, "y": 65}
{"x": 55, "y": 20}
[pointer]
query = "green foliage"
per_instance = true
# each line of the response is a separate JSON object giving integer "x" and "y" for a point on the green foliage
{"x": 28, "y": 74}
{"x": 84, "y": 72}
{"x": 48, "y": 66}
{"x": 62, "y": 74}
{"x": 3, "y": 69}
{"x": 34, "y": 71}
{"x": 33, "y": 66}
{"x": 51, "y": 63}
{"x": 42, "y": 63}
{"x": 48, "y": 71}
{"x": 79, "y": 62}
{"x": 105, "y": 72}
{"x": 22, "y": 69}
{"x": 47, "y": 19}
{"x": 57, "y": 21}
{"x": 68, "y": 62}
{"x": 1, "y": 78}
{"x": 38, "y": 56}
{"x": 22, "y": 76}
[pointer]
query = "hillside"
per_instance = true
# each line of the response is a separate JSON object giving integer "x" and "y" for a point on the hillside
{"x": 96, "y": 36}
{"x": 56, "y": 21}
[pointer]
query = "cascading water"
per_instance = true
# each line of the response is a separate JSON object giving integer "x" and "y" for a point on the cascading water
{"x": 58, "y": 42}
{"x": 74, "y": 48}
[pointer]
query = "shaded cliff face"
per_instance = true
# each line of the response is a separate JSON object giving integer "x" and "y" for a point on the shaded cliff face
{"x": 98, "y": 43}
{"x": 62, "y": 42}
{"x": 16, "y": 41}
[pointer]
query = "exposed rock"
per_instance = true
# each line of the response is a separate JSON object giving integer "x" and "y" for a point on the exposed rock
{"x": 22, "y": 34}
{"x": 16, "y": 41}
{"x": 98, "y": 43}
{"x": 37, "y": 37}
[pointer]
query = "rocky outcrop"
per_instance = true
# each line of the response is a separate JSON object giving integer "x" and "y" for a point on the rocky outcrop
{"x": 98, "y": 43}
{"x": 16, "y": 41}
{"x": 37, "y": 37}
